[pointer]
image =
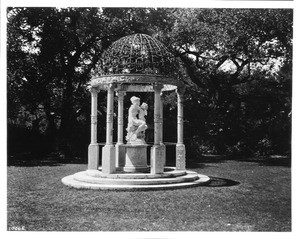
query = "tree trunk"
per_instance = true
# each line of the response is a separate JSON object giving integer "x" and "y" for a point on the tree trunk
{"x": 67, "y": 120}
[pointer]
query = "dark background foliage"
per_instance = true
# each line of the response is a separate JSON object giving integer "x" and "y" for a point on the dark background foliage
{"x": 236, "y": 64}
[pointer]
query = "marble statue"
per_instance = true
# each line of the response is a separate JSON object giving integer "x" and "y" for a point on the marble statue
{"x": 136, "y": 122}
{"x": 143, "y": 111}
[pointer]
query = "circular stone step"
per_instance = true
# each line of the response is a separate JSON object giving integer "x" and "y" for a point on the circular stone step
{"x": 83, "y": 180}
{"x": 169, "y": 172}
{"x": 84, "y": 177}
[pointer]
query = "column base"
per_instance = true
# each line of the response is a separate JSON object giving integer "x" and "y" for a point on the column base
{"x": 180, "y": 157}
{"x": 108, "y": 159}
{"x": 158, "y": 158}
{"x": 93, "y": 156}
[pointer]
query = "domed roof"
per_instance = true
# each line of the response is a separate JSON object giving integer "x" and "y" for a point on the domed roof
{"x": 137, "y": 54}
{"x": 137, "y": 59}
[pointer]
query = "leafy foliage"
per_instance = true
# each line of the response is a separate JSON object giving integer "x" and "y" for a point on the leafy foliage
{"x": 233, "y": 60}
{"x": 235, "y": 63}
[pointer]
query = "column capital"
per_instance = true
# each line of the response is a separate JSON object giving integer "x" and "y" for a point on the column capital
{"x": 157, "y": 87}
{"x": 111, "y": 86}
{"x": 120, "y": 93}
{"x": 109, "y": 114}
{"x": 94, "y": 90}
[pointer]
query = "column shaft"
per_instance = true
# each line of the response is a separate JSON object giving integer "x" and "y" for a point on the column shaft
{"x": 93, "y": 150}
{"x": 120, "y": 95}
{"x": 179, "y": 119}
{"x": 94, "y": 103}
{"x": 161, "y": 128}
{"x": 180, "y": 147}
{"x": 120, "y": 149}
{"x": 158, "y": 156}
{"x": 109, "y": 115}
{"x": 108, "y": 151}
{"x": 157, "y": 115}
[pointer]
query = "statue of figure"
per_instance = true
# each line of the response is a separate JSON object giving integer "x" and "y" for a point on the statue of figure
{"x": 136, "y": 125}
{"x": 143, "y": 111}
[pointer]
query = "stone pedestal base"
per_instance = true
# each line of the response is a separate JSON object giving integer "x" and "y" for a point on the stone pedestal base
{"x": 108, "y": 159}
{"x": 93, "y": 156}
{"x": 135, "y": 158}
{"x": 180, "y": 156}
{"x": 158, "y": 158}
{"x": 171, "y": 179}
{"x": 120, "y": 155}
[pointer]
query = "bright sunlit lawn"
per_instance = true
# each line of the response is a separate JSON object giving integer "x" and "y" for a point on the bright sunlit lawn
{"x": 242, "y": 196}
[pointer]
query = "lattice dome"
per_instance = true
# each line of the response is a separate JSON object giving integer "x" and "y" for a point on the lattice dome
{"x": 136, "y": 59}
{"x": 137, "y": 54}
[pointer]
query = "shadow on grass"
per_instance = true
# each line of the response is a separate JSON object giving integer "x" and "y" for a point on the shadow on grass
{"x": 221, "y": 182}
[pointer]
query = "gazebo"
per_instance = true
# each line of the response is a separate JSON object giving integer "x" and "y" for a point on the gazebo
{"x": 135, "y": 63}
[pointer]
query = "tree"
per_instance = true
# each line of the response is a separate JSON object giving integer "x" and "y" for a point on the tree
{"x": 51, "y": 53}
{"x": 236, "y": 64}
{"x": 224, "y": 53}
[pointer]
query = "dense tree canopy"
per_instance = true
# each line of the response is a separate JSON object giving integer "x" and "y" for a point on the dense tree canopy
{"x": 234, "y": 60}
{"x": 236, "y": 64}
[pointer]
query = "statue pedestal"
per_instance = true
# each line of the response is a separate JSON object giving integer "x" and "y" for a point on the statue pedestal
{"x": 135, "y": 158}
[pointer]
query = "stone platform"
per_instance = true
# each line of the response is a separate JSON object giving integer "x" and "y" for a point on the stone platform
{"x": 169, "y": 179}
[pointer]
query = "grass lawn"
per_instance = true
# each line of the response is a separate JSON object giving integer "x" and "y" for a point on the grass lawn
{"x": 242, "y": 196}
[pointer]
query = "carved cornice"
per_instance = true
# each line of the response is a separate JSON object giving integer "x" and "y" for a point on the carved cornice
{"x": 132, "y": 78}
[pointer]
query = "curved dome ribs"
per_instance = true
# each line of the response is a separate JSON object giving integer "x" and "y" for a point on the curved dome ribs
{"x": 137, "y": 54}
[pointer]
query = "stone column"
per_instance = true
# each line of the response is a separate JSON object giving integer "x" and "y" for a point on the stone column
{"x": 120, "y": 150}
{"x": 161, "y": 116}
{"x": 157, "y": 114}
{"x": 180, "y": 147}
{"x": 108, "y": 151}
{"x": 157, "y": 150}
{"x": 162, "y": 125}
{"x": 93, "y": 150}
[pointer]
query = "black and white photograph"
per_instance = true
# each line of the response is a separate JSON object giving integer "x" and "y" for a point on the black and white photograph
{"x": 149, "y": 120}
